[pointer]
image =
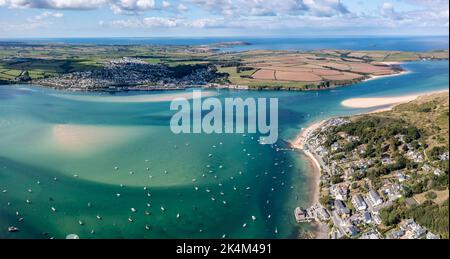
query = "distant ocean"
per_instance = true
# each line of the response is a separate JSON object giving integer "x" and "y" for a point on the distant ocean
{"x": 349, "y": 43}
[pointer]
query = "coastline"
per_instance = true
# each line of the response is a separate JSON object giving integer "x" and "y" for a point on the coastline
{"x": 321, "y": 229}
{"x": 386, "y": 103}
{"x": 146, "y": 88}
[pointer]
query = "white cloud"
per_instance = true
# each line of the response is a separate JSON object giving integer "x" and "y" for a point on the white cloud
{"x": 147, "y": 22}
{"x": 273, "y": 8}
{"x": 116, "y": 5}
{"x": 388, "y": 11}
{"x": 182, "y": 8}
{"x": 55, "y": 4}
{"x": 132, "y": 6}
{"x": 48, "y": 14}
{"x": 166, "y": 4}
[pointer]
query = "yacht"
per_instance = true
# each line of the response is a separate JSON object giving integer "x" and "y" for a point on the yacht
{"x": 13, "y": 229}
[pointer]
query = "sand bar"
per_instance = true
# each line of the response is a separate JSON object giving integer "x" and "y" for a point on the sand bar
{"x": 81, "y": 139}
{"x": 373, "y": 102}
{"x": 144, "y": 98}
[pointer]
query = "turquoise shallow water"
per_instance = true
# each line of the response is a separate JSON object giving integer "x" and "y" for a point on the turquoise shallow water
{"x": 60, "y": 151}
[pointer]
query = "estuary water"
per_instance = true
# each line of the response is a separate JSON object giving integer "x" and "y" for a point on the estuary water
{"x": 108, "y": 166}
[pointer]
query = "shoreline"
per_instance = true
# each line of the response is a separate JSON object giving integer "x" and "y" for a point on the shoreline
{"x": 321, "y": 229}
{"x": 144, "y": 88}
{"x": 385, "y": 103}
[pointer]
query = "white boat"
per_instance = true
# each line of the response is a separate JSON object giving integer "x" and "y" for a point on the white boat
{"x": 80, "y": 222}
{"x": 53, "y": 209}
{"x": 133, "y": 210}
{"x": 178, "y": 216}
{"x": 72, "y": 236}
{"x": 99, "y": 218}
{"x": 163, "y": 209}
{"x": 253, "y": 218}
{"x": 244, "y": 225}
{"x": 130, "y": 219}
{"x": 13, "y": 229}
{"x": 147, "y": 227}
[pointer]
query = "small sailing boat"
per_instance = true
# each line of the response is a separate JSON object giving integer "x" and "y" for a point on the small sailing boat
{"x": 13, "y": 229}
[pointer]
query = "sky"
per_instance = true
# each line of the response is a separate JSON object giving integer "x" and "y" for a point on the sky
{"x": 221, "y": 18}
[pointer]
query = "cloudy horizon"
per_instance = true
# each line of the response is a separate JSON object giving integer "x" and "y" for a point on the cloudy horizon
{"x": 214, "y": 18}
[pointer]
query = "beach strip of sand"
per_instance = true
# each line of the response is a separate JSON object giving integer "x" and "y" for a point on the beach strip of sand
{"x": 145, "y": 98}
{"x": 320, "y": 230}
{"x": 373, "y": 102}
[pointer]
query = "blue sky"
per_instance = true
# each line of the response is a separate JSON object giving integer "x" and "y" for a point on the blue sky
{"x": 196, "y": 18}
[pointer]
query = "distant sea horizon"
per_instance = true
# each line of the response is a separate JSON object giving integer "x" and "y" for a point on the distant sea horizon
{"x": 382, "y": 43}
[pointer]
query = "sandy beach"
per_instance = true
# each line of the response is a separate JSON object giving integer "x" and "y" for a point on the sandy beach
{"x": 147, "y": 98}
{"x": 373, "y": 102}
{"x": 320, "y": 230}
{"x": 393, "y": 75}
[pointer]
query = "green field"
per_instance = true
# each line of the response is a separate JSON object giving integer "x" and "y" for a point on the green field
{"x": 47, "y": 60}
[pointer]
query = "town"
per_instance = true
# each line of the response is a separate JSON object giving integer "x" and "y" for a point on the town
{"x": 369, "y": 179}
{"x": 133, "y": 74}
